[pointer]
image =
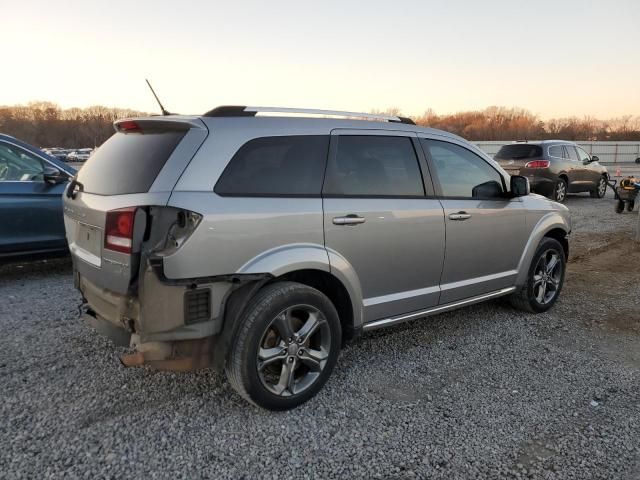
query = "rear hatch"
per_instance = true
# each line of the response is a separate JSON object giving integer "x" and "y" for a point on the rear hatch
{"x": 515, "y": 156}
{"x": 106, "y": 207}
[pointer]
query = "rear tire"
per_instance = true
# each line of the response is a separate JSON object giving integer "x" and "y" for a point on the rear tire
{"x": 619, "y": 206}
{"x": 544, "y": 279}
{"x": 600, "y": 190}
{"x": 286, "y": 346}
{"x": 560, "y": 190}
{"x": 630, "y": 205}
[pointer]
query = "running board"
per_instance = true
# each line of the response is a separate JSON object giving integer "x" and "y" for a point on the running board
{"x": 387, "y": 322}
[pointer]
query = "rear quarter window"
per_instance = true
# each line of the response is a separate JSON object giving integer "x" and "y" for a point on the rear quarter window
{"x": 128, "y": 162}
{"x": 276, "y": 166}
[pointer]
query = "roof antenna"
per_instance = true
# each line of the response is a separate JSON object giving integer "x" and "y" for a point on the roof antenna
{"x": 162, "y": 109}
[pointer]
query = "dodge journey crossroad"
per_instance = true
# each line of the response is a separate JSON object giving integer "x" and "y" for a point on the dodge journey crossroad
{"x": 257, "y": 244}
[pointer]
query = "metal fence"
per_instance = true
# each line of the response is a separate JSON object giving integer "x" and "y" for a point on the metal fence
{"x": 607, "y": 152}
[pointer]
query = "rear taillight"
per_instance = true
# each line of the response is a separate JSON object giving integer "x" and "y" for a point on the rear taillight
{"x": 537, "y": 164}
{"x": 119, "y": 230}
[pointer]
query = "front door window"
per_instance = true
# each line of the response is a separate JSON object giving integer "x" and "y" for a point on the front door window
{"x": 18, "y": 165}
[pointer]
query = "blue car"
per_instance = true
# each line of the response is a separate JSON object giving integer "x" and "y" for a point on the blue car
{"x": 31, "y": 187}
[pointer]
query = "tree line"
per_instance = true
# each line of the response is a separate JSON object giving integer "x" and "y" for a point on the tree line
{"x": 45, "y": 124}
{"x": 501, "y": 123}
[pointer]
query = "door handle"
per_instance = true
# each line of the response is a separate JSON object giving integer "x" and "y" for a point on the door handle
{"x": 350, "y": 219}
{"x": 459, "y": 216}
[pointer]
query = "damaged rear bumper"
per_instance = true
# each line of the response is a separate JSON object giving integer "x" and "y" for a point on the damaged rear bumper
{"x": 171, "y": 324}
{"x": 173, "y": 355}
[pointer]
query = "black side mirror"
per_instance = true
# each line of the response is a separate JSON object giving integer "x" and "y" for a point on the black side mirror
{"x": 520, "y": 186}
{"x": 594, "y": 159}
{"x": 490, "y": 189}
{"x": 53, "y": 176}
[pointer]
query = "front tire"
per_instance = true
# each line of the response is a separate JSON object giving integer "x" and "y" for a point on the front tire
{"x": 544, "y": 279}
{"x": 600, "y": 190}
{"x": 286, "y": 346}
{"x": 630, "y": 205}
{"x": 619, "y": 206}
{"x": 560, "y": 190}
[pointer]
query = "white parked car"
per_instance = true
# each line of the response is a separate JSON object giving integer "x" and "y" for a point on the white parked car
{"x": 80, "y": 155}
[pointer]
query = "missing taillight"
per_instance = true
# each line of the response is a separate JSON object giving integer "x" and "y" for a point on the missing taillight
{"x": 119, "y": 230}
{"x": 184, "y": 225}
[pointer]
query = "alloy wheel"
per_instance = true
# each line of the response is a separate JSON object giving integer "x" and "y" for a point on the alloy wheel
{"x": 561, "y": 191}
{"x": 547, "y": 277}
{"x": 293, "y": 350}
{"x": 602, "y": 187}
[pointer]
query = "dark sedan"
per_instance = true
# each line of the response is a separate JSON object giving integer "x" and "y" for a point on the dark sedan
{"x": 555, "y": 168}
{"x": 31, "y": 187}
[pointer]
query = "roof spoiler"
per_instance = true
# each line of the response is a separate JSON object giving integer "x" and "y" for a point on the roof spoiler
{"x": 156, "y": 124}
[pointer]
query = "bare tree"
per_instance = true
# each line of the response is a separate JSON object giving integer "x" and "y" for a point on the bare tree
{"x": 45, "y": 124}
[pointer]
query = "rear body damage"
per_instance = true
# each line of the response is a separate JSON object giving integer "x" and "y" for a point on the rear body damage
{"x": 120, "y": 229}
{"x": 172, "y": 324}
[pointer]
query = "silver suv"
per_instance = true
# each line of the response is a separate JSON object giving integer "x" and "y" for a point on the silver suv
{"x": 258, "y": 244}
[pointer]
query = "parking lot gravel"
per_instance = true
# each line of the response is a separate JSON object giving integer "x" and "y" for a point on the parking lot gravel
{"x": 483, "y": 392}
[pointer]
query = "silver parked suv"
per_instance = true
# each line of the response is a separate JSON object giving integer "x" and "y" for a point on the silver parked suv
{"x": 259, "y": 244}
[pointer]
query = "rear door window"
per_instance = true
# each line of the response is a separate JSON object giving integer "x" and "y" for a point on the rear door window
{"x": 374, "y": 166}
{"x": 17, "y": 165}
{"x": 290, "y": 166}
{"x": 556, "y": 151}
{"x": 128, "y": 162}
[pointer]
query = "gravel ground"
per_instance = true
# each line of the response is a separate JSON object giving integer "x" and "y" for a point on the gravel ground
{"x": 484, "y": 392}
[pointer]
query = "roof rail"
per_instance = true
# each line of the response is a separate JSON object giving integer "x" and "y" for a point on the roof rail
{"x": 243, "y": 111}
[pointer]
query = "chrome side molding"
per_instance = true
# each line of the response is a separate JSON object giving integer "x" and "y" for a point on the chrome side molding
{"x": 387, "y": 322}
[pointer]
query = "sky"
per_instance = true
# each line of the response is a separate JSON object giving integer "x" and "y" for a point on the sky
{"x": 555, "y": 58}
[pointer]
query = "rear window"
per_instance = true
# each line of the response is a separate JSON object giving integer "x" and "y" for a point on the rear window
{"x": 276, "y": 166}
{"x": 128, "y": 162}
{"x": 519, "y": 151}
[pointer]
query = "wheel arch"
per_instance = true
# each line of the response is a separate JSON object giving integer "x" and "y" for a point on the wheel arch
{"x": 334, "y": 289}
{"x": 307, "y": 264}
{"x": 288, "y": 258}
{"x": 551, "y": 225}
{"x": 319, "y": 266}
{"x": 561, "y": 236}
